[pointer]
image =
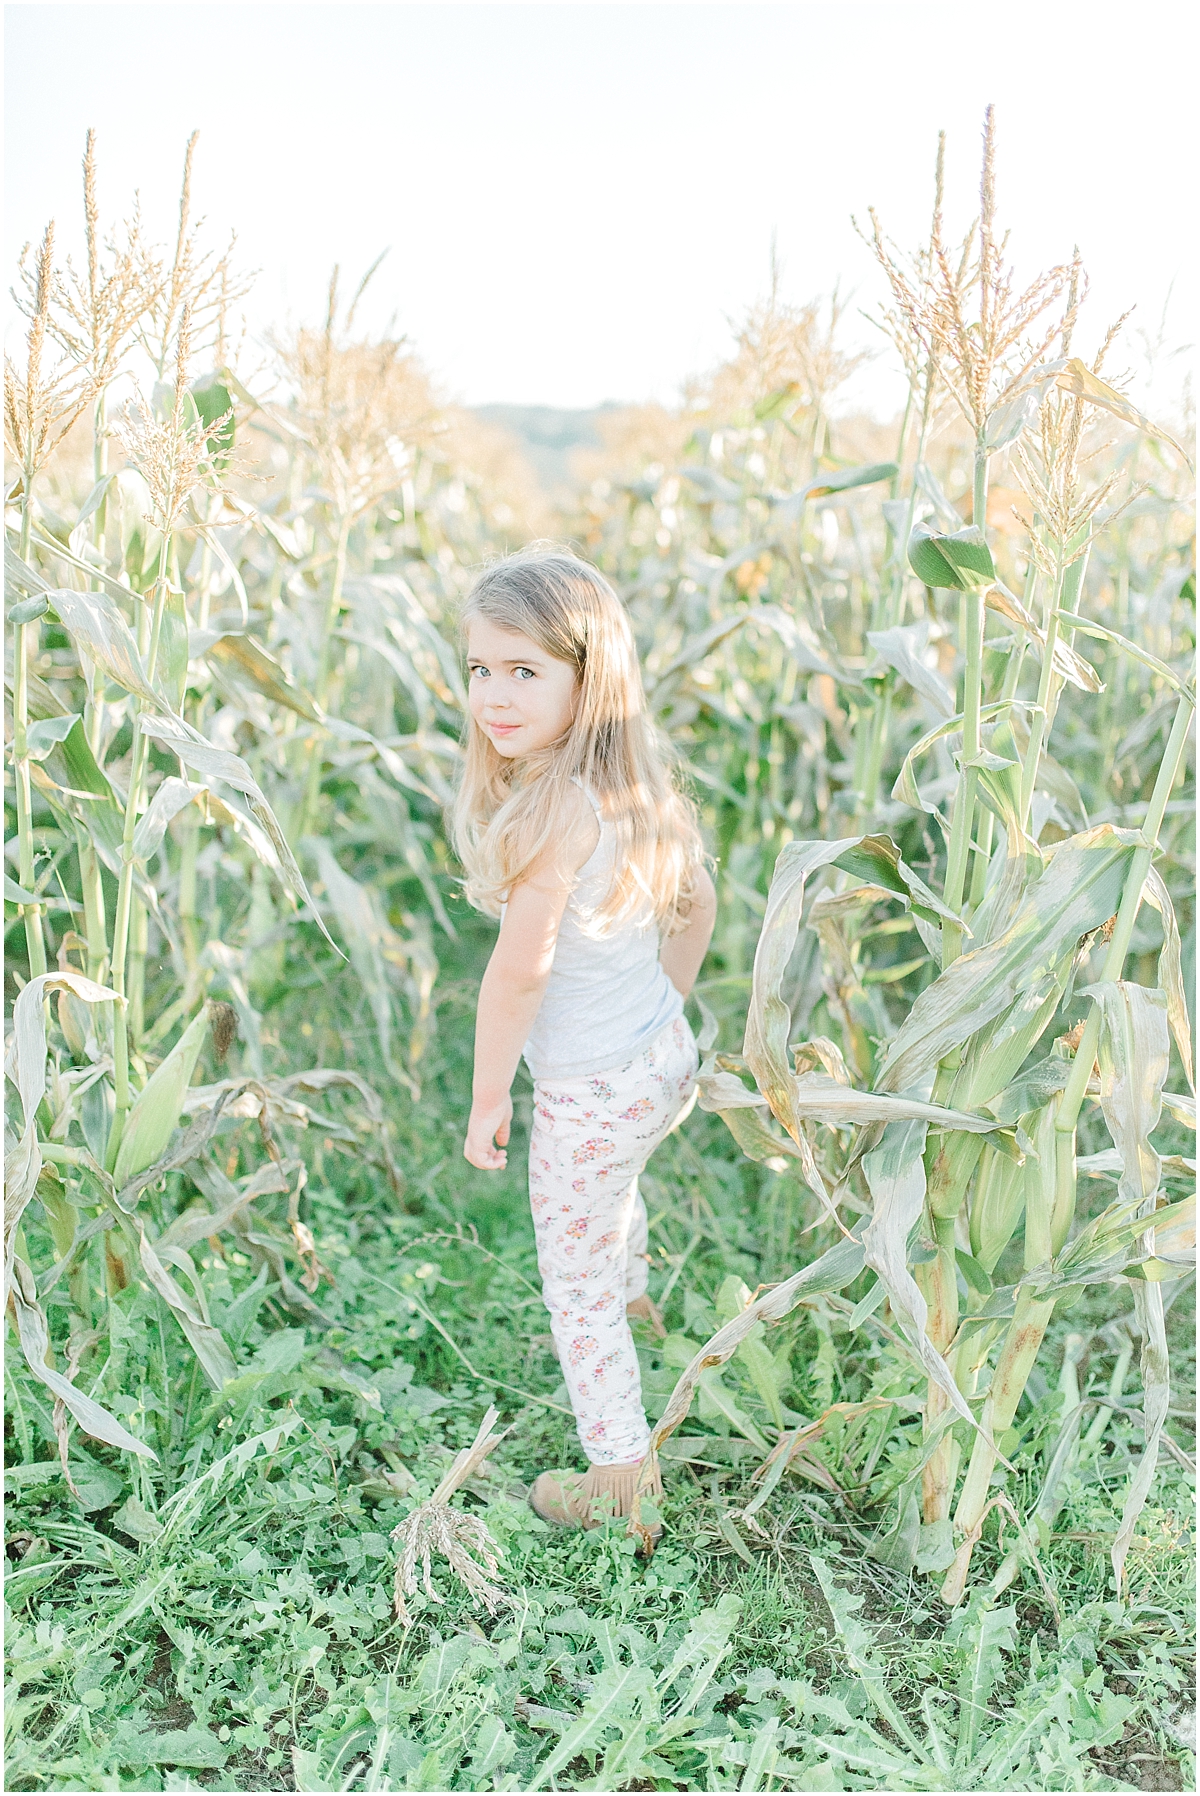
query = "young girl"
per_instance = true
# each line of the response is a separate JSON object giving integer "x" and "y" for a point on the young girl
{"x": 571, "y": 832}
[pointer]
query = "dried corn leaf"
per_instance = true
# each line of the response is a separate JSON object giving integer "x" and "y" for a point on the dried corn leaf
{"x": 1068, "y": 663}
{"x": 831, "y": 1272}
{"x": 35, "y": 1345}
{"x": 1078, "y": 378}
{"x": 247, "y": 657}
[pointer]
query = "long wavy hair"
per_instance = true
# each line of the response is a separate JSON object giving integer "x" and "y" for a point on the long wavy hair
{"x": 509, "y": 813}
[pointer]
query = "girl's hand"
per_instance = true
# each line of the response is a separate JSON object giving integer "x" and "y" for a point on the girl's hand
{"x": 489, "y": 1122}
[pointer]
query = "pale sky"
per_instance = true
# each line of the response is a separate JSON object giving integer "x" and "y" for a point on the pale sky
{"x": 576, "y": 198}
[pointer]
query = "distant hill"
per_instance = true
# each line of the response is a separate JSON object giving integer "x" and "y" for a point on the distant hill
{"x": 548, "y": 433}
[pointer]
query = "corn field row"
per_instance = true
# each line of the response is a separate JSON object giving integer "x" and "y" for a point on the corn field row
{"x": 931, "y": 684}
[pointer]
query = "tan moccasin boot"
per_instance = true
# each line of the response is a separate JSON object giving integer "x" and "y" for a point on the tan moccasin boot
{"x": 586, "y": 1499}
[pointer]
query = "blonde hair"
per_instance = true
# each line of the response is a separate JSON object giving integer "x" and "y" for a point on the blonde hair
{"x": 510, "y": 814}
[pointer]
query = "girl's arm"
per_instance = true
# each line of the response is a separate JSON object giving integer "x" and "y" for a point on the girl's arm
{"x": 682, "y": 954}
{"x": 512, "y": 989}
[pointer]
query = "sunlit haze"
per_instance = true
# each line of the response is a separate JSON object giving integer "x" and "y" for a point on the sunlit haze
{"x": 576, "y": 200}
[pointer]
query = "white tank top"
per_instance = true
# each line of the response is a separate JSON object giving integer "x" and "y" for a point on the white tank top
{"x": 607, "y": 997}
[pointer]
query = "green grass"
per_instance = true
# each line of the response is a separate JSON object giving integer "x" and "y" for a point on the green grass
{"x": 265, "y": 1624}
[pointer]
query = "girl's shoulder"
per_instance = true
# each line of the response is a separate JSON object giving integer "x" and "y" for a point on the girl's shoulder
{"x": 584, "y": 825}
{"x": 578, "y": 833}
{"x": 586, "y": 800}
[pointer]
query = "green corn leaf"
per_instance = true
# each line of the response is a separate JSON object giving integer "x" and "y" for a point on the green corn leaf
{"x": 878, "y": 858}
{"x": 1090, "y": 628}
{"x": 83, "y": 788}
{"x": 426, "y": 661}
{"x": 780, "y": 403}
{"x": 372, "y": 944}
{"x": 905, "y": 789}
{"x": 768, "y": 1021}
{"x": 96, "y": 624}
{"x": 172, "y": 664}
{"x": 206, "y": 1342}
{"x": 961, "y": 560}
{"x": 18, "y": 573}
{"x": 157, "y": 1107}
{"x": 844, "y": 479}
{"x": 1134, "y": 1056}
{"x": 902, "y": 648}
{"x": 1109, "y": 1244}
{"x": 1170, "y": 969}
{"x": 217, "y": 763}
{"x": 48, "y": 733}
{"x": 214, "y": 404}
{"x": 798, "y": 639}
{"x": 1068, "y": 663}
{"x": 26, "y": 1067}
{"x": 1030, "y": 1090}
{"x": 713, "y": 486}
{"x": 170, "y": 798}
{"x": 824, "y": 486}
{"x": 1079, "y": 889}
{"x": 895, "y": 1173}
{"x": 696, "y": 650}
{"x": 792, "y": 1098}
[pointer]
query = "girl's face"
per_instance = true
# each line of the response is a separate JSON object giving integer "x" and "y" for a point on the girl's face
{"x": 522, "y": 698}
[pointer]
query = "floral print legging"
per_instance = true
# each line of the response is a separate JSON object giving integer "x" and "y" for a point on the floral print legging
{"x": 591, "y": 1138}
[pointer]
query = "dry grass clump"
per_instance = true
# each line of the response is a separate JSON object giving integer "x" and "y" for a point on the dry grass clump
{"x": 456, "y": 1534}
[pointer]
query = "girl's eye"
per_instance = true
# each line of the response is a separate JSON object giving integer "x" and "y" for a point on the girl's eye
{"x": 523, "y": 673}
{"x": 479, "y": 673}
